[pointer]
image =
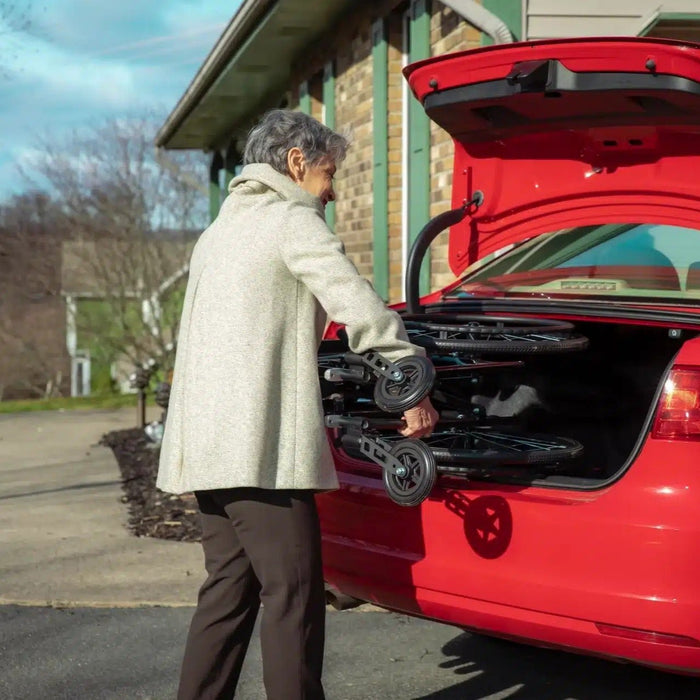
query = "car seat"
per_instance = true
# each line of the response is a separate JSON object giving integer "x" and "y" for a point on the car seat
{"x": 693, "y": 280}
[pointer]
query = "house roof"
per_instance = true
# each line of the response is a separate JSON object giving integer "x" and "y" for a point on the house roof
{"x": 247, "y": 71}
{"x": 108, "y": 267}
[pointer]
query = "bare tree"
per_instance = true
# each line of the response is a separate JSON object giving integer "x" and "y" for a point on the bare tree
{"x": 132, "y": 220}
{"x": 33, "y": 356}
{"x": 111, "y": 182}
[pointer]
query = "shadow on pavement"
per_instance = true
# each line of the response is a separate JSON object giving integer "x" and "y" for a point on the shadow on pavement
{"x": 494, "y": 669}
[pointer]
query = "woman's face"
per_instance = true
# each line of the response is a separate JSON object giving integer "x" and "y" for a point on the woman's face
{"x": 316, "y": 179}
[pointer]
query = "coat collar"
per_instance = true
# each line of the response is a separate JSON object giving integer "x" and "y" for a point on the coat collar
{"x": 282, "y": 184}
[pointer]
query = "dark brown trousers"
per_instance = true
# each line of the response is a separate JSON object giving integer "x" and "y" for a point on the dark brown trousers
{"x": 259, "y": 546}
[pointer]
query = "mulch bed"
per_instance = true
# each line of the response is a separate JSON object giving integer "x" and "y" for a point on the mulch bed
{"x": 152, "y": 513}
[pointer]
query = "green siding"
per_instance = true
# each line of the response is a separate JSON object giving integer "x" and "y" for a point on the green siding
{"x": 304, "y": 98}
{"x": 217, "y": 164}
{"x": 419, "y": 139}
{"x": 510, "y": 12}
{"x": 380, "y": 176}
{"x": 329, "y": 95}
{"x": 101, "y": 325}
{"x": 329, "y": 118}
{"x": 232, "y": 161}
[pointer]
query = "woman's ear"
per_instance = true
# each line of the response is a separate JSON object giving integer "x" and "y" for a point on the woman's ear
{"x": 296, "y": 164}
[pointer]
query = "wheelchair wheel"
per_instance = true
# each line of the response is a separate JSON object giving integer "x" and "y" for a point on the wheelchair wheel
{"x": 492, "y": 447}
{"x": 493, "y": 334}
{"x": 396, "y": 397}
{"x": 415, "y": 486}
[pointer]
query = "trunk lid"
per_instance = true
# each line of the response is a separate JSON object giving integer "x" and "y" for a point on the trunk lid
{"x": 563, "y": 133}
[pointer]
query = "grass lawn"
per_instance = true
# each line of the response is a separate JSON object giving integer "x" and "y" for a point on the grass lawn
{"x": 75, "y": 403}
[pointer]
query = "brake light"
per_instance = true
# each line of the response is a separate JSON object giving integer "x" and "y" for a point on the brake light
{"x": 678, "y": 414}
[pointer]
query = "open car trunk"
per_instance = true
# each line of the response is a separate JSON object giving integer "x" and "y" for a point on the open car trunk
{"x": 603, "y": 397}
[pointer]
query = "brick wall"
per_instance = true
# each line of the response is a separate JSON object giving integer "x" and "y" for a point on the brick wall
{"x": 349, "y": 45}
{"x": 353, "y": 104}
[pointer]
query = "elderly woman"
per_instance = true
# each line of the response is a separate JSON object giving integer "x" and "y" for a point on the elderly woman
{"x": 244, "y": 429}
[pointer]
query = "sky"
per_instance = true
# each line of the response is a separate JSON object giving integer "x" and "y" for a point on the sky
{"x": 78, "y": 62}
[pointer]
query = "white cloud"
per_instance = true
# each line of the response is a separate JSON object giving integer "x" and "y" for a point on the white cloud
{"x": 120, "y": 58}
{"x": 178, "y": 42}
{"x": 184, "y": 15}
{"x": 58, "y": 70}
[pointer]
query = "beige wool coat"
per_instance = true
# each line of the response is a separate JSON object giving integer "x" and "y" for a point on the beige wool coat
{"x": 245, "y": 405}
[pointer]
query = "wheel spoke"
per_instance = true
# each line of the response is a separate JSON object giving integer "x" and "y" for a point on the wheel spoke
{"x": 516, "y": 443}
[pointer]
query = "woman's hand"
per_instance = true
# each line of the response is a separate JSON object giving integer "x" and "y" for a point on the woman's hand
{"x": 420, "y": 420}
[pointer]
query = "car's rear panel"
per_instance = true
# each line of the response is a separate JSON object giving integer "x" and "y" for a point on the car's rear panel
{"x": 547, "y": 564}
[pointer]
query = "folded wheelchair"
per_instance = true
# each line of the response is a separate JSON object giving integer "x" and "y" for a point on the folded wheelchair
{"x": 365, "y": 395}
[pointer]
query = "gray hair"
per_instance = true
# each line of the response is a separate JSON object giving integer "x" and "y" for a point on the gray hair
{"x": 280, "y": 130}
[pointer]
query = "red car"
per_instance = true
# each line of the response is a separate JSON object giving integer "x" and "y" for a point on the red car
{"x": 576, "y": 195}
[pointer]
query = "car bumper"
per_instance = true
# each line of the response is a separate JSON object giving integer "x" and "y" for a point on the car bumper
{"x": 527, "y": 626}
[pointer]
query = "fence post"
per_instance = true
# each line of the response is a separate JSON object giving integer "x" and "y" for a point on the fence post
{"x": 140, "y": 380}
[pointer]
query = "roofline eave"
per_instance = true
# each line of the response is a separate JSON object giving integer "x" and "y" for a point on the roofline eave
{"x": 231, "y": 39}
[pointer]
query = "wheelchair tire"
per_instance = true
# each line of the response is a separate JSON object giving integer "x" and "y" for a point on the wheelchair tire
{"x": 501, "y": 347}
{"x": 396, "y": 397}
{"x": 414, "y": 488}
{"x": 512, "y": 335}
{"x": 488, "y": 325}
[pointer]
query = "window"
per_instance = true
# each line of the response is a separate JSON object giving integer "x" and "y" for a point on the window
{"x": 620, "y": 260}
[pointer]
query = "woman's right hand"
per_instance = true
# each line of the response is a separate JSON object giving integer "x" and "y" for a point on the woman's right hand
{"x": 420, "y": 420}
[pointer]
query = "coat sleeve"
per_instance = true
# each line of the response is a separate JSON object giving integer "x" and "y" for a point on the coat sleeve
{"x": 315, "y": 256}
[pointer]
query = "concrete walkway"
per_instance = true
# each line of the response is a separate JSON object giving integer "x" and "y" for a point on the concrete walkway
{"x": 63, "y": 539}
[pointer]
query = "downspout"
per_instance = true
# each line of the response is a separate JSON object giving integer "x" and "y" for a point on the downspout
{"x": 481, "y": 18}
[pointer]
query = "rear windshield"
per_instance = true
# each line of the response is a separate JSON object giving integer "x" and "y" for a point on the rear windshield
{"x": 619, "y": 260}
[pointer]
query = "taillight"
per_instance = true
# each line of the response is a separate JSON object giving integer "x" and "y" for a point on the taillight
{"x": 678, "y": 414}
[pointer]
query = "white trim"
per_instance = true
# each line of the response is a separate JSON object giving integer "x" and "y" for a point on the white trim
{"x": 78, "y": 358}
{"x": 243, "y": 21}
{"x": 151, "y": 311}
{"x": 175, "y": 277}
{"x": 81, "y": 360}
{"x": 71, "y": 331}
{"x": 646, "y": 21}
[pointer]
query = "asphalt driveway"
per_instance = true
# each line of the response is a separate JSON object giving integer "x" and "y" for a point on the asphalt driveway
{"x": 134, "y": 654}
